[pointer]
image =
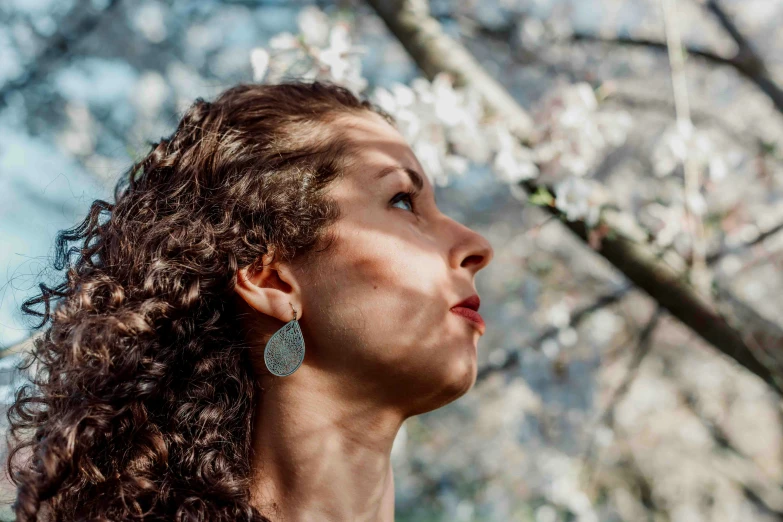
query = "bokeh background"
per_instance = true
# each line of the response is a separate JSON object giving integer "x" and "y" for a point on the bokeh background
{"x": 594, "y": 401}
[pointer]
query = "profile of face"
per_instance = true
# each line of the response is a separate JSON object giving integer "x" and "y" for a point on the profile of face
{"x": 375, "y": 309}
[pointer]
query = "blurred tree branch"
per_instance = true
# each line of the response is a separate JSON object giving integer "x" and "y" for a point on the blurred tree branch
{"x": 759, "y": 326}
{"x": 757, "y": 484}
{"x": 434, "y": 52}
{"x": 607, "y": 416}
{"x": 749, "y": 65}
{"x": 747, "y": 60}
{"x": 630, "y": 41}
{"x": 744, "y": 136}
{"x": 716, "y": 256}
{"x": 643, "y": 346}
{"x": 702, "y": 116}
{"x": 512, "y": 360}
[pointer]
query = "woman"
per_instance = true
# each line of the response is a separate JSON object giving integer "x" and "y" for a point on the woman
{"x": 172, "y": 381}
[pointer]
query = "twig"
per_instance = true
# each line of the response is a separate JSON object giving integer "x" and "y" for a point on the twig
{"x": 717, "y": 256}
{"x": 747, "y": 60}
{"x": 630, "y": 41}
{"x": 744, "y": 467}
{"x": 692, "y": 178}
{"x": 643, "y": 266}
{"x": 642, "y": 349}
{"x": 513, "y": 359}
{"x": 435, "y": 52}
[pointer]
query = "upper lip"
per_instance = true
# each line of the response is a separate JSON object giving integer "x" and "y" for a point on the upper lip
{"x": 471, "y": 302}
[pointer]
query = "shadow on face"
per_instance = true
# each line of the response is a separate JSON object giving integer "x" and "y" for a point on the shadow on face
{"x": 375, "y": 309}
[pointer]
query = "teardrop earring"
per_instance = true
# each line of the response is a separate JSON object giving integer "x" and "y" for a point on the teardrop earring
{"x": 285, "y": 350}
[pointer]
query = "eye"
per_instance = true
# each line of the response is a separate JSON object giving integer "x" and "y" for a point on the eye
{"x": 410, "y": 195}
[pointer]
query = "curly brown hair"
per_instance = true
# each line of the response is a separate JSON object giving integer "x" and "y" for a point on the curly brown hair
{"x": 141, "y": 399}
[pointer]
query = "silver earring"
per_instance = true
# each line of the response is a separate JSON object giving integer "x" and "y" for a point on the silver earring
{"x": 285, "y": 350}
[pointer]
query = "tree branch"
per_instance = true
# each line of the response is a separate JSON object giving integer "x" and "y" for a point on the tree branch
{"x": 513, "y": 361}
{"x": 747, "y": 60}
{"x": 664, "y": 284}
{"x": 759, "y": 486}
{"x": 744, "y": 136}
{"x": 434, "y": 52}
{"x": 755, "y": 326}
{"x": 607, "y": 416}
{"x": 716, "y": 256}
{"x": 629, "y": 41}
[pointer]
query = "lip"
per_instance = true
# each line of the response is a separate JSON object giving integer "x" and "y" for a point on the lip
{"x": 473, "y": 302}
{"x": 471, "y": 315}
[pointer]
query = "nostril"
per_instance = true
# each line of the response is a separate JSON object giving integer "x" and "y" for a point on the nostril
{"x": 472, "y": 260}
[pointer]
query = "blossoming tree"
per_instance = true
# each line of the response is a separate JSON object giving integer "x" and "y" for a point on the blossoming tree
{"x": 633, "y": 371}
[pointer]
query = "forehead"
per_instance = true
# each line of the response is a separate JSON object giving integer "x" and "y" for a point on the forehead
{"x": 375, "y": 145}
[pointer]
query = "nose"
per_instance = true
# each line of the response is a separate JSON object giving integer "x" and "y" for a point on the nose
{"x": 470, "y": 249}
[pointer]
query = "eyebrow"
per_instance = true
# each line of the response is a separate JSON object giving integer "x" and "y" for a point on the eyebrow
{"x": 415, "y": 177}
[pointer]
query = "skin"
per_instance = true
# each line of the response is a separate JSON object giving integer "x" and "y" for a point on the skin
{"x": 381, "y": 343}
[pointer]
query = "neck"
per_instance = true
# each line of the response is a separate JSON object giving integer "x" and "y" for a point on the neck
{"x": 320, "y": 453}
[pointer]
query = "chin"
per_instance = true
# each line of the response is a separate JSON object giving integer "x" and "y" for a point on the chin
{"x": 457, "y": 382}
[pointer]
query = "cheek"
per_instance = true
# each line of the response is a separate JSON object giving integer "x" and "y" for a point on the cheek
{"x": 383, "y": 289}
{"x": 385, "y": 268}
{"x": 383, "y": 320}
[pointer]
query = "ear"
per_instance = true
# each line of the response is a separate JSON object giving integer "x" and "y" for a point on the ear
{"x": 270, "y": 289}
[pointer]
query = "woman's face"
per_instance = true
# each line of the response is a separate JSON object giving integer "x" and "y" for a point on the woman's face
{"x": 375, "y": 309}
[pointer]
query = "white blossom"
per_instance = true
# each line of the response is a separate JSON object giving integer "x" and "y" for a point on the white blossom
{"x": 696, "y": 203}
{"x": 433, "y": 116}
{"x": 682, "y": 142}
{"x": 717, "y": 168}
{"x": 448, "y": 126}
{"x": 322, "y": 51}
{"x": 559, "y": 315}
{"x": 513, "y": 162}
{"x": 470, "y": 140}
{"x": 550, "y": 348}
{"x": 666, "y": 222}
{"x": 283, "y": 41}
{"x": 341, "y": 59}
{"x": 577, "y": 198}
{"x": 314, "y": 25}
{"x": 576, "y": 133}
{"x": 259, "y": 60}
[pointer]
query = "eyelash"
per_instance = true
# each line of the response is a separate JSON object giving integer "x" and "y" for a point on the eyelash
{"x": 411, "y": 194}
